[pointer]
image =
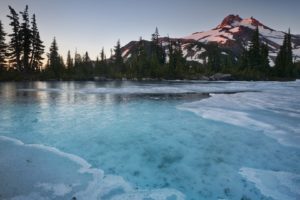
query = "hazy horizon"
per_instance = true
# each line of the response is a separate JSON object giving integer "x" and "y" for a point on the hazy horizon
{"x": 91, "y": 25}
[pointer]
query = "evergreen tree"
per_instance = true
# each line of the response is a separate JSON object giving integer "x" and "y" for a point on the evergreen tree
{"x": 281, "y": 59}
{"x": 55, "y": 62}
{"x": 155, "y": 36}
{"x": 289, "y": 48}
{"x": 289, "y": 56}
{"x": 214, "y": 57}
{"x": 37, "y": 47}
{"x": 86, "y": 58}
{"x": 3, "y": 48}
{"x": 176, "y": 60}
{"x": 87, "y": 67}
{"x": 102, "y": 55}
{"x": 69, "y": 61}
{"x": 158, "y": 56}
{"x": 118, "y": 54}
{"x": 26, "y": 39}
{"x": 101, "y": 67}
{"x": 97, "y": 61}
{"x": 254, "y": 50}
{"x": 284, "y": 59}
{"x": 77, "y": 59}
{"x": 156, "y": 48}
{"x": 142, "y": 69}
{"x": 264, "y": 54}
{"x": 15, "y": 44}
{"x": 119, "y": 63}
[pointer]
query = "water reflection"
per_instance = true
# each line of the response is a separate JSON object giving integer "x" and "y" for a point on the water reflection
{"x": 114, "y": 92}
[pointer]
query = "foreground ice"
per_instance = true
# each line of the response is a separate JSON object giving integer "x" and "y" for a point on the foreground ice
{"x": 274, "y": 110}
{"x": 143, "y": 138}
{"x": 40, "y": 172}
{"x": 276, "y": 184}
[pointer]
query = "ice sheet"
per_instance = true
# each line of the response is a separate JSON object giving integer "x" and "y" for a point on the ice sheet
{"x": 48, "y": 173}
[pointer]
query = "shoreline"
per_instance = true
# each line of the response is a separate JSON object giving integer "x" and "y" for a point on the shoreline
{"x": 149, "y": 80}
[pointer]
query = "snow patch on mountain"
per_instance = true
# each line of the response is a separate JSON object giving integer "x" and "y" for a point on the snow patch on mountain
{"x": 196, "y": 56}
{"x": 218, "y": 35}
{"x": 235, "y": 30}
{"x": 125, "y": 52}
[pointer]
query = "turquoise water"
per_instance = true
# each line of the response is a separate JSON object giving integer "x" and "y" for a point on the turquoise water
{"x": 165, "y": 140}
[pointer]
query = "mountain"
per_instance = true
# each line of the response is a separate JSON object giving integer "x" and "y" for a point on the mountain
{"x": 232, "y": 35}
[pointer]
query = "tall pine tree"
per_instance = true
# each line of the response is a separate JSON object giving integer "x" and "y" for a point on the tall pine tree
{"x": 156, "y": 48}
{"x": 69, "y": 61}
{"x": 289, "y": 56}
{"x": 158, "y": 56}
{"x": 118, "y": 53}
{"x": 87, "y": 67}
{"x": 176, "y": 60}
{"x": 254, "y": 50}
{"x": 118, "y": 59}
{"x": 15, "y": 44}
{"x": 142, "y": 60}
{"x": 77, "y": 59}
{"x": 55, "y": 64}
{"x": 3, "y": 48}
{"x": 102, "y": 56}
{"x": 26, "y": 39}
{"x": 264, "y": 54}
{"x": 37, "y": 47}
{"x": 284, "y": 59}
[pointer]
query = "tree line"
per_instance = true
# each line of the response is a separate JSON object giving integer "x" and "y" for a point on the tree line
{"x": 22, "y": 58}
{"x": 24, "y": 51}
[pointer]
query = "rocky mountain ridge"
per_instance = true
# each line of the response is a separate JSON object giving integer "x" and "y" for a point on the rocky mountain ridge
{"x": 232, "y": 35}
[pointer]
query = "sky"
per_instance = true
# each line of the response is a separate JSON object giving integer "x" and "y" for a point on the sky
{"x": 89, "y": 25}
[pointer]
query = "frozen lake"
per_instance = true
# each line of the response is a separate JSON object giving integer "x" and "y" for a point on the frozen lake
{"x": 150, "y": 140}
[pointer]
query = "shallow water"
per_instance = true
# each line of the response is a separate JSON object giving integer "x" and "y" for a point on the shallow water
{"x": 147, "y": 140}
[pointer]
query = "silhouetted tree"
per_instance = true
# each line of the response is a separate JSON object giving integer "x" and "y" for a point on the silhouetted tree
{"x": 86, "y": 58}
{"x": 118, "y": 60}
{"x": 264, "y": 54}
{"x": 37, "y": 47}
{"x": 289, "y": 56}
{"x": 176, "y": 60}
{"x": 101, "y": 65}
{"x": 87, "y": 66}
{"x": 142, "y": 67}
{"x": 26, "y": 39}
{"x": 102, "y": 55}
{"x": 77, "y": 59}
{"x": 158, "y": 56}
{"x": 284, "y": 59}
{"x": 254, "y": 50}
{"x": 69, "y": 61}
{"x": 118, "y": 53}
{"x": 15, "y": 44}
{"x": 55, "y": 60}
{"x": 157, "y": 48}
{"x": 3, "y": 48}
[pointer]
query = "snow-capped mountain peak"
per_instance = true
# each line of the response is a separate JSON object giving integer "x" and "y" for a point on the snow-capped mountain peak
{"x": 233, "y": 34}
{"x": 230, "y": 26}
{"x": 230, "y": 21}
